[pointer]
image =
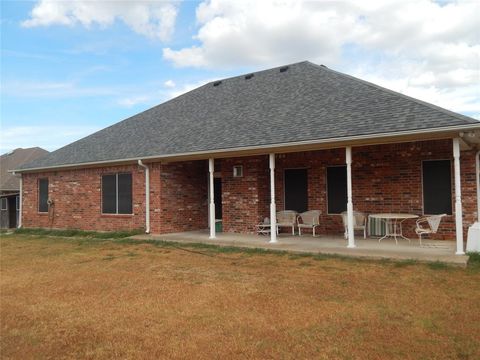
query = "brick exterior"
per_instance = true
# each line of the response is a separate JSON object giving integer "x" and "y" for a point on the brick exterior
{"x": 183, "y": 202}
{"x": 243, "y": 198}
{"x": 386, "y": 178}
{"x": 77, "y": 197}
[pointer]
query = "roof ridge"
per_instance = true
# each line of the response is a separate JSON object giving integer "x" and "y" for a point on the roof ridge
{"x": 259, "y": 71}
{"x": 382, "y": 88}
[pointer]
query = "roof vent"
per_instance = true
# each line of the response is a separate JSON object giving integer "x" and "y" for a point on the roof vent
{"x": 283, "y": 68}
{"x": 216, "y": 83}
{"x": 324, "y": 66}
{"x": 249, "y": 76}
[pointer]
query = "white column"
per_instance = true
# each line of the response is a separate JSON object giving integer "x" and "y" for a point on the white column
{"x": 458, "y": 197}
{"x": 211, "y": 212}
{"x": 273, "y": 206}
{"x": 351, "y": 233}
{"x": 20, "y": 203}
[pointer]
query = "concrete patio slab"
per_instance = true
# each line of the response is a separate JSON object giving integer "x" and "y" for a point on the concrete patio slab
{"x": 431, "y": 251}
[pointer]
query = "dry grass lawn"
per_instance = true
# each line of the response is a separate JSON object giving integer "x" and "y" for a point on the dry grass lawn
{"x": 71, "y": 298}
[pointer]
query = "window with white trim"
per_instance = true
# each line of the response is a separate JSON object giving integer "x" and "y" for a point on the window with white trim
{"x": 117, "y": 193}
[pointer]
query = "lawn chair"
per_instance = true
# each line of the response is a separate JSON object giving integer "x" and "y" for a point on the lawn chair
{"x": 286, "y": 218}
{"x": 428, "y": 225}
{"x": 308, "y": 220}
{"x": 264, "y": 228}
{"x": 359, "y": 222}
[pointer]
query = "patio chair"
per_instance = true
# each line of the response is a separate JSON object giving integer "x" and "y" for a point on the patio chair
{"x": 264, "y": 227}
{"x": 428, "y": 225}
{"x": 308, "y": 220}
{"x": 359, "y": 222}
{"x": 286, "y": 218}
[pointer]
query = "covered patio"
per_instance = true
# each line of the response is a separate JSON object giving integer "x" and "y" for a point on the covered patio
{"x": 378, "y": 180}
{"x": 370, "y": 248}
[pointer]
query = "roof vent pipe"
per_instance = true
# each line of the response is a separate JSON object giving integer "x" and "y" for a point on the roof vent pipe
{"x": 283, "y": 68}
{"x": 216, "y": 83}
{"x": 147, "y": 196}
{"x": 249, "y": 76}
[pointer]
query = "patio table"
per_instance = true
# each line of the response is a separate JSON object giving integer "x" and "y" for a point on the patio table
{"x": 393, "y": 224}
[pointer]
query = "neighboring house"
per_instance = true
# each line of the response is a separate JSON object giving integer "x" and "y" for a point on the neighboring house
{"x": 283, "y": 138}
{"x": 10, "y": 184}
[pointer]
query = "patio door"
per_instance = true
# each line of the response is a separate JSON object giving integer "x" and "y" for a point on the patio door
{"x": 296, "y": 189}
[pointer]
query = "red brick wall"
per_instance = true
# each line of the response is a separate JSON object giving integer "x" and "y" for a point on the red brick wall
{"x": 243, "y": 199}
{"x": 386, "y": 178}
{"x": 178, "y": 199}
{"x": 183, "y": 202}
{"x": 77, "y": 198}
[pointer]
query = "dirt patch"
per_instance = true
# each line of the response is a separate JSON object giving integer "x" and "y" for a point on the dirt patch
{"x": 66, "y": 298}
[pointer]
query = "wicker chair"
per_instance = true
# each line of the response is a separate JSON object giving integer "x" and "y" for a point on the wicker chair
{"x": 359, "y": 222}
{"x": 286, "y": 218}
{"x": 428, "y": 225}
{"x": 308, "y": 220}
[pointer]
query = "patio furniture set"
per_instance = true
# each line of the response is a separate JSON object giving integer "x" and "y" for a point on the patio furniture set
{"x": 393, "y": 223}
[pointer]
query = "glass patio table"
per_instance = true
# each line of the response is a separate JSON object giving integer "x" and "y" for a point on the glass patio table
{"x": 393, "y": 224}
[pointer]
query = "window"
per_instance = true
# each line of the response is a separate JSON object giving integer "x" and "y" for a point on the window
{"x": 437, "y": 187}
{"x": 238, "y": 171}
{"x": 336, "y": 189}
{"x": 117, "y": 194}
{"x": 17, "y": 203}
{"x": 43, "y": 195}
{"x": 3, "y": 205}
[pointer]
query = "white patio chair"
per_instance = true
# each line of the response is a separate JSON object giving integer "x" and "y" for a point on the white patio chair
{"x": 428, "y": 225}
{"x": 264, "y": 227}
{"x": 308, "y": 220}
{"x": 359, "y": 222}
{"x": 286, "y": 218}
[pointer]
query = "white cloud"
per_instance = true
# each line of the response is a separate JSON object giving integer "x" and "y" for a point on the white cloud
{"x": 421, "y": 48}
{"x": 51, "y": 89}
{"x": 47, "y": 137}
{"x": 132, "y": 101}
{"x": 152, "y": 18}
{"x": 154, "y": 96}
{"x": 169, "y": 84}
{"x": 186, "y": 88}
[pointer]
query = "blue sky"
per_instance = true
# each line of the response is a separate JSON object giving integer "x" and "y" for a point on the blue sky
{"x": 71, "y": 68}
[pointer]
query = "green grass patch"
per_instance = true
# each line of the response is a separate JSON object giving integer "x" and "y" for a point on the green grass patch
{"x": 474, "y": 261}
{"x": 405, "y": 263}
{"x": 438, "y": 265}
{"x": 78, "y": 233}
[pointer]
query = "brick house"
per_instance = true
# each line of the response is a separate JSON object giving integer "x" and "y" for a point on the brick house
{"x": 297, "y": 137}
{"x": 10, "y": 184}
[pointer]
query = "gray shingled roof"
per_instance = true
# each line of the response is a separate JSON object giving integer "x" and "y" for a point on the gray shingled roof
{"x": 306, "y": 102}
{"x": 13, "y": 160}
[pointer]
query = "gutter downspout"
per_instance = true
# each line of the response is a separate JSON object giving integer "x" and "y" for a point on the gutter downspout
{"x": 477, "y": 161}
{"x": 147, "y": 196}
{"x": 20, "y": 197}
